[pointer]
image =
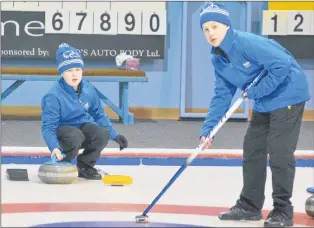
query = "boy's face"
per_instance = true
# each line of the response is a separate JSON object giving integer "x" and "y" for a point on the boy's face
{"x": 73, "y": 76}
{"x": 214, "y": 32}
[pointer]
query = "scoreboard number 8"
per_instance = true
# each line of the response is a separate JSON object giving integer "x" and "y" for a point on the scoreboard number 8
{"x": 106, "y": 22}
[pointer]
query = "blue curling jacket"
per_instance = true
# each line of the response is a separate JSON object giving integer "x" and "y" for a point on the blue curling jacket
{"x": 246, "y": 56}
{"x": 62, "y": 106}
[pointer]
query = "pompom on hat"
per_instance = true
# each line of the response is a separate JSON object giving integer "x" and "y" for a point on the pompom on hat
{"x": 214, "y": 11}
{"x": 68, "y": 57}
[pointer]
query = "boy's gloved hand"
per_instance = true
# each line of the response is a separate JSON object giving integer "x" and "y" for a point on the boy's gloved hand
{"x": 208, "y": 143}
{"x": 122, "y": 141}
{"x": 57, "y": 152}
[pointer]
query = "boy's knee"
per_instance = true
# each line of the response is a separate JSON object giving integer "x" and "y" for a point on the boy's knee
{"x": 102, "y": 136}
{"x": 71, "y": 138}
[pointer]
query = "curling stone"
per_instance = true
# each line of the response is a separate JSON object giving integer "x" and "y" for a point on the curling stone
{"x": 57, "y": 172}
{"x": 310, "y": 190}
{"x": 141, "y": 219}
{"x": 309, "y": 206}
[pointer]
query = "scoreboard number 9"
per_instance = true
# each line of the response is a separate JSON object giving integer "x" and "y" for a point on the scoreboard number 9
{"x": 130, "y": 22}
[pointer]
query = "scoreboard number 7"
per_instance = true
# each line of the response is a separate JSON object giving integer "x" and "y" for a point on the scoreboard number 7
{"x": 81, "y": 22}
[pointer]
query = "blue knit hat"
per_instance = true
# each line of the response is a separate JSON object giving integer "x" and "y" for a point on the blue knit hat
{"x": 68, "y": 57}
{"x": 213, "y": 11}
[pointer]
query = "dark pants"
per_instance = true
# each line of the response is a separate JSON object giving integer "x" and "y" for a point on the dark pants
{"x": 90, "y": 137}
{"x": 275, "y": 133}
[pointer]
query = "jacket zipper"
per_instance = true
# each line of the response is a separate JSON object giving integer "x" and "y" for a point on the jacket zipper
{"x": 227, "y": 58}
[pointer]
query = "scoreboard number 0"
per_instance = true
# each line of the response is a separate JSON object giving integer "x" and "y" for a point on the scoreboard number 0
{"x": 154, "y": 26}
{"x": 154, "y": 23}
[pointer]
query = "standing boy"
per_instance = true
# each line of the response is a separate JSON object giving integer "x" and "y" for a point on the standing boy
{"x": 238, "y": 57}
{"x": 73, "y": 117}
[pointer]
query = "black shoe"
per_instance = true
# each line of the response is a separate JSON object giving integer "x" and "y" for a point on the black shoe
{"x": 238, "y": 213}
{"x": 277, "y": 218}
{"x": 89, "y": 173}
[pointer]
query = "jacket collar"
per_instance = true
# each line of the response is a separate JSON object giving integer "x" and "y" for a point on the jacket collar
{"x": 69, "y": 89}
{"x": 227, "y": 42}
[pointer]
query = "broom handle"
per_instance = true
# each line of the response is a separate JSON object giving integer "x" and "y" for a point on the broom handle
{"x": 201, "y": 146}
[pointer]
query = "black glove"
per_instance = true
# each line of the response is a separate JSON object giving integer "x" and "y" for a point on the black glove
{"x": 122, "y": 141}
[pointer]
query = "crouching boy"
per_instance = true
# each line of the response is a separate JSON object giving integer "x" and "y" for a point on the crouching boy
{"x": 73, "y": 117}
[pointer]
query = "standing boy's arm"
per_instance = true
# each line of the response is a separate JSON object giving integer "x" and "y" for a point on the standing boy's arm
{"x": 223, "y": 94}
{"x": 100, "y": 117}
{"x": 50, "y": 121}
{"x": 275, "y": 60}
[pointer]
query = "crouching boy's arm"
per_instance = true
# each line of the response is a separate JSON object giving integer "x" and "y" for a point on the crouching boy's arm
{"x": 50, "y": 121}
{"x": 100, "y": 117}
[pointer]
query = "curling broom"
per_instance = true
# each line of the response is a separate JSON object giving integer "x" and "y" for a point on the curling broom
{"x": 115, "y": 179}
{"x": 144, "y": 218}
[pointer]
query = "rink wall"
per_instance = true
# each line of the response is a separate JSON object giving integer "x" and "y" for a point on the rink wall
{"x": 161, "y": 96}
{"x": 148, "y": 157}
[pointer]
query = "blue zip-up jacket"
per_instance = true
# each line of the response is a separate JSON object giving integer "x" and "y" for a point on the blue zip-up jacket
{"x": 62, "y": 106}
{"x": 247, "y": 56}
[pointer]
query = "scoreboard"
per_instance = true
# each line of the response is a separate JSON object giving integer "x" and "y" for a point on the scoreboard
{"x": 97, "y": 33}
{"x": 105, "y": 22}
{"x": 292, "y": 25}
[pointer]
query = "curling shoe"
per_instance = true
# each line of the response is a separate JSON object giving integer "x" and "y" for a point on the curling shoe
{"x": 277, "y": 218}
{"x": 89, "y": 173}
{"x": 238, "y": 213}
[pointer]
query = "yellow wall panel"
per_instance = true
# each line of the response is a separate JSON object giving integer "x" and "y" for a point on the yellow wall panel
{"x": 297, "y": 5}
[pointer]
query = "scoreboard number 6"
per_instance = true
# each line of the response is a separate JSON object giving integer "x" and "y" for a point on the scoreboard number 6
{"x": 57, "y": 21}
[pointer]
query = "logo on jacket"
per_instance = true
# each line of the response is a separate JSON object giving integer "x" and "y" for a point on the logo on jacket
{"x": 247, "y": 64}
{"x": 86, "y": 105}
